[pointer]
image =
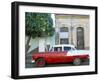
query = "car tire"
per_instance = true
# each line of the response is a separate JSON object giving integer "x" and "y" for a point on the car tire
{"x": 77, "y": 61}
{"x": 40, "y": 62}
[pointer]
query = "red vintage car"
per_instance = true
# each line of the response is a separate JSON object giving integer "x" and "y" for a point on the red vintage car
{"x": 60, "y": 54}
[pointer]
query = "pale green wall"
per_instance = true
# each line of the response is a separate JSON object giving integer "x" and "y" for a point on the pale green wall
{"x": 35, "y": 42}
{"x": 51, "y": 40}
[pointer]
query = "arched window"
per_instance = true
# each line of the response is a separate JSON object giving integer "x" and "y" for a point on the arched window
{"x": 80, "y": 38}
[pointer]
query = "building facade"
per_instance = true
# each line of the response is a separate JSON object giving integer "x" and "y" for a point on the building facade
{"x": 72, "y": 29}
{"x": 69, "y": 29}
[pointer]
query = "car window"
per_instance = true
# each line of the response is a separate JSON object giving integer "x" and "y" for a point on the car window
{"x": 67, "y": 48}
{"x": 57, "y": 49}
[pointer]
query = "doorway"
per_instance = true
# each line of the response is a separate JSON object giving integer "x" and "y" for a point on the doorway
{"x": 80, "y": 38}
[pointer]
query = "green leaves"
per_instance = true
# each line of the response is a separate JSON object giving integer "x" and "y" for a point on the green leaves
{"x": 38, "y": 24}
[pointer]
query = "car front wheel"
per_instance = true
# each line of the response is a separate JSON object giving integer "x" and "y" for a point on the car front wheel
{"x": 77, "y": 61}
{"x": 40, "y": 62}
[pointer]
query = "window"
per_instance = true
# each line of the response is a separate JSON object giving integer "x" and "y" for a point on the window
{"x": 64, "y": 29}
{"x": 58, "y": 49}
{"x": 64, "y": 41}
{"x": 67, "y": 48}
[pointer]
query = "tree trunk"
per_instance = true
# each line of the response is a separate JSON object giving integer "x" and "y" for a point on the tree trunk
{"x": 27, "y": 46}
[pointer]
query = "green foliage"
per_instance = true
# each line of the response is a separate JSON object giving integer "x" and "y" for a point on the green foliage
{"x": 38, "y": 24}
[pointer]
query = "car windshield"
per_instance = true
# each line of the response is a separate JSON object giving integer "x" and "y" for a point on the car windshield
{"x": 67, "y": 48}
{"x": 57, "y": 49}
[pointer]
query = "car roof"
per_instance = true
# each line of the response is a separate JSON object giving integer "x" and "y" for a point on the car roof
{"x": 62, "y": 45}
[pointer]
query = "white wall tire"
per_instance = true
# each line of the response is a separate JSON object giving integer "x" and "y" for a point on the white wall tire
{"x": 40, "y": 62}
{"x": 77, "y": 61}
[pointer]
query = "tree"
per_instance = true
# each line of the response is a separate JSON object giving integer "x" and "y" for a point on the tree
{"x": 37, "y": 25}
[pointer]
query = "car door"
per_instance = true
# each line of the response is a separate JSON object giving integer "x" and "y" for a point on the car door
{"x": 67, "y": 58}
{"x": 54, "y": 55}
{"x": 57, "y": 54}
